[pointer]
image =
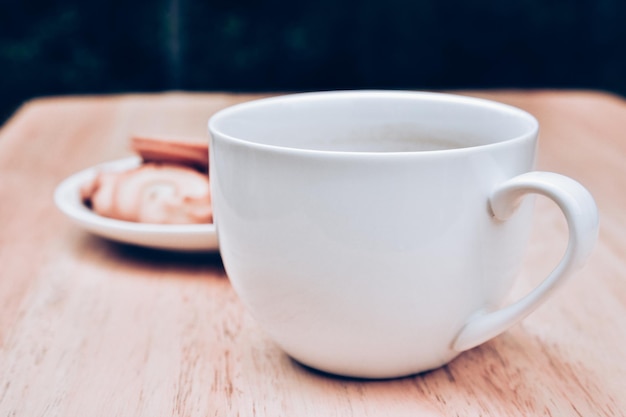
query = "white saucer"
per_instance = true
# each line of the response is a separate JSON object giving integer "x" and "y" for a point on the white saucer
{"x": 201, "y": 237}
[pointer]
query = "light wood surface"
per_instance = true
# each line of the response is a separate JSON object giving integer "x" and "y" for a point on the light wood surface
{"x": 93, "y": 328}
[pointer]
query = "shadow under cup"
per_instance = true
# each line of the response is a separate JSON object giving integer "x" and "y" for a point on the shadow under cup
{"x": 356, "y": 226}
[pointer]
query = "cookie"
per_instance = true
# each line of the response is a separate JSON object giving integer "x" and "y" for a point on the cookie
{"x": 151, "y": 193}
{"x": 188, "y": 152}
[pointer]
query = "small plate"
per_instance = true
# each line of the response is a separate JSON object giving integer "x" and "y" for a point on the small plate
{"x": 186, "y": 237}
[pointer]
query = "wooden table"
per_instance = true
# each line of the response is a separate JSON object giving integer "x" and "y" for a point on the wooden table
{"x": 93, "y": 328}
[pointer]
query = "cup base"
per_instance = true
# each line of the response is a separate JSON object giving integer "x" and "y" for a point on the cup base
{"x": 371, "y": 371}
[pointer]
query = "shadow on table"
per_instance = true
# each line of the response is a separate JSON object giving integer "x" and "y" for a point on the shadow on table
{"x": 148, "y": 259}
{"x": 511, "y": 372}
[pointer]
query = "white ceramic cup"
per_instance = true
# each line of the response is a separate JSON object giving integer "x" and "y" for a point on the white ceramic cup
{"x": 376, "y": 233}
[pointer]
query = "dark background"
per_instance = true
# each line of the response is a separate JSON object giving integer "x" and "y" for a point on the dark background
{"x": 74, "y": 46}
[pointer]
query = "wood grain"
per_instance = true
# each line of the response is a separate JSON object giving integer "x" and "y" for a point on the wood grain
{"x": 93, "y": 328}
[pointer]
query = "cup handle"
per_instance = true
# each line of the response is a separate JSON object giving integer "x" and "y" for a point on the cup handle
{"x": 581, "y": 214}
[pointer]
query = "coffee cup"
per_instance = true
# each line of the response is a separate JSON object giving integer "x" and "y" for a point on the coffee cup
{"x": 376, "y": 234}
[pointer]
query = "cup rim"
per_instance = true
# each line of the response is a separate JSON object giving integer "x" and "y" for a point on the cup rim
{"x": 531, "y": 133}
